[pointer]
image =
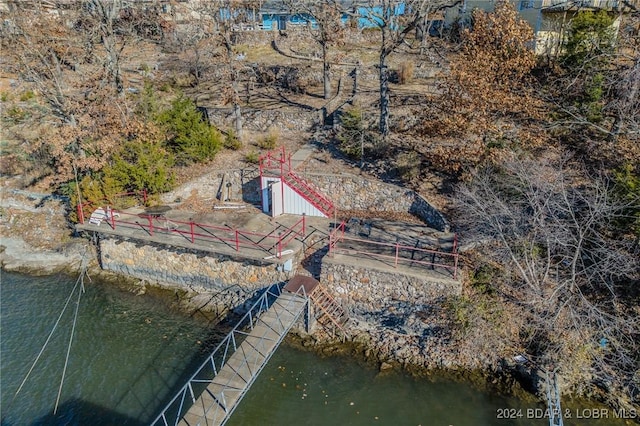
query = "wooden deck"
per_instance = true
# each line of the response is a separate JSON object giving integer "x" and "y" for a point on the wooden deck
{"x": 222, "y": 395}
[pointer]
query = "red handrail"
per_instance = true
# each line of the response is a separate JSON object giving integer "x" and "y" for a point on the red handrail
{"x": 329, "y": 205}
{"x": 337, "y": 235}
{"x": 80, "y": 207}
{"x": 235, "y": 238}
{"x": 282, "y": 164}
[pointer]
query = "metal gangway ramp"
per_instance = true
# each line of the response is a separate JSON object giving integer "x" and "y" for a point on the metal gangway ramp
{"x": 214, "y": 391}
{"x": 553, "y": 399}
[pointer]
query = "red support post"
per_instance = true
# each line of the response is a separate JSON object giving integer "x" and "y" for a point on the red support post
{"x": 113, "y": 220}
{"x": 279, "y": 245}
{"x": 193, "y": 239}
{"x": 144, "y": 195}
{"x": 150, "y": 225}
{"x": 455, "y": 266}
{"x": 80, "y": 213}
{"x": 396, "y": 261}
{"x": 237, "y": 241}
{"x": 304, "y": 229}
{"x": 455, "y": 255}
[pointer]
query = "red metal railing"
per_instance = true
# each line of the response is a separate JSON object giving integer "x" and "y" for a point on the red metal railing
{"x": 325, "y": 205}
{"x": 398, "y": 253}
{"x": 81, "y": 208}
{"x": 281, "y": 164}
{"x": 205, "y": 234}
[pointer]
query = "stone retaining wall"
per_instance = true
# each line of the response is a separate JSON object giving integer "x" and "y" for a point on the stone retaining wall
{"x": 385, "y": 298}
{"x": 244, "y": 186}
{"x": 188, "y": 268}
{"x": 351, "y": 192}
{"x": 371, "y": 289}
{"x": 264, "y": 120}
{"x": 347, "y": 191}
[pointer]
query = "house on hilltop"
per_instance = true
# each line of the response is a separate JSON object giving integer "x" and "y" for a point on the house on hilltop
{"x": 548, "y": 18}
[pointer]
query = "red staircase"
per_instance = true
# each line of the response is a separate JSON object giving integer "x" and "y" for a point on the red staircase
{"x": 281, "y": 166}
{"x": 309, "y": 193}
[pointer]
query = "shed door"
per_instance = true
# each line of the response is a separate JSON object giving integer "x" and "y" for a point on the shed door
{"x": 276, "y": 198}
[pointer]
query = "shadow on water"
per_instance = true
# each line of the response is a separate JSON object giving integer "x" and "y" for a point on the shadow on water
{"x": 80, "y": 412}
{"x": 152, "y": 377}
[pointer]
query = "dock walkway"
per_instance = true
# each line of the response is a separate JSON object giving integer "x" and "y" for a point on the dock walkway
{"x": 214, "y": 391}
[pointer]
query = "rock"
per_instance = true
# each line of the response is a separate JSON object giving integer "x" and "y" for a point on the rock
{"x": 384, "y": 366}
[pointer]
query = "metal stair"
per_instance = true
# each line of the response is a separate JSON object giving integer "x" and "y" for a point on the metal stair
{"x": 309, "y": 193}
{"x": 279, "y": 165}
{"x": 329, "y": 313}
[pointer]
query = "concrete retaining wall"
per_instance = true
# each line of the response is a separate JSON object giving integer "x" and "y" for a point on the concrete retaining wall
{"x": 232, "y": 185}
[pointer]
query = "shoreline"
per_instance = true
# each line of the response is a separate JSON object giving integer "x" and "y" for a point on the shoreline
{"x": 503, "y": 377}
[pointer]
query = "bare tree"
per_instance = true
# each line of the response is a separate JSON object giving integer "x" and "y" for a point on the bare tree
{"x": 324, "y": 23}
{"x": 196, "y": 48}
{"x": 226, "y": 17}
{"x": 566, "y": 267}
{"x": 625, "y": 80}
{"x": 595, "y": 82}
{"x": 396, "y": 21}
{"x": 53, "y": 53}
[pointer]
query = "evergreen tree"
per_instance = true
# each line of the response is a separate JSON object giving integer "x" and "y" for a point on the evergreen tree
{"x": 189, "y": 136}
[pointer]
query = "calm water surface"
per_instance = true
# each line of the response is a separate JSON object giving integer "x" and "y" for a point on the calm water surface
{"x": 130, "y": 353}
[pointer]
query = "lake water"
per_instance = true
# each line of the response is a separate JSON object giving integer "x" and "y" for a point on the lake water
{"x": 129, "y": 353}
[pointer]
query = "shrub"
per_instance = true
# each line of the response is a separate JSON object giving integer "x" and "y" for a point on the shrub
{"x": 354, "y": 136}
{"x": 28, "y": 95}
{"x": 231, "y": 141}
{"x": 190, "y": 137}
{"x": 17, "y": 114}
{"x": 269, "y": 141}
{"x": 252, "y": 157}
{"x": 140, "y": 165}
{"x": 91, "y": 192}
{"x": 627, "y": 190}
{"x": 408, "y": 165}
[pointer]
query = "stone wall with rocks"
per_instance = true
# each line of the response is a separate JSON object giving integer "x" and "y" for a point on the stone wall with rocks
{"x": 224, "y": 185}
{"x": 264, "y": 120}
{"x": 351, "y": 192}
{"x": 365, "y": 290}
{"x": 400, "y": 318}
{"x": 188, "y": 268}
{"x": 348, "y": 192}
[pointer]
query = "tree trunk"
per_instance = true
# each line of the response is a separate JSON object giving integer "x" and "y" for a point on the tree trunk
{"x": 237, "y": 113}
{"x": 630, "y": 96}
{"x": 237, "y": 118}
{"x": 326, "y": 76}
{"x": 384, "y": 96}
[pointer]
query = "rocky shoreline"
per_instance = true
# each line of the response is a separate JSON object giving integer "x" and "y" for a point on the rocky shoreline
{"x": 424, "y": 345}
{"x": 380, "y": 345}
